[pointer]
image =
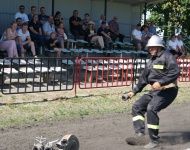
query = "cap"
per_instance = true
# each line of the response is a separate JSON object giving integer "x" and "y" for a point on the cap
{"x": 91, "y": 22}
{"x": 138, "y": 24}
{"x": 103, "y": 22}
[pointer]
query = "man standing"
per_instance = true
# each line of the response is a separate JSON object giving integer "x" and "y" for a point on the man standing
{"x": 85, "y": 21}
{"x": 152, "y": 28}
{"x": 32, "y": 13}
{"x": 21, "y": 14}
{"x": 161, "y": 72}
{"x": 114, "y": 28}
{"x": 76, "y": 24}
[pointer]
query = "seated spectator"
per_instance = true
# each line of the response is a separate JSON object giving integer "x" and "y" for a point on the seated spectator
{"x": 91, "y": 35}
{"x": 19, "y": 23}
{"x": 137, "y": 38}
{"x": 61, "y": 36}
{"x": 152, "y": 28}
{"x": 103, "y": 18}
{"x": 85, "y": 21}
{"x": 21, "y": 14}
{"x": 180, "y": 45}
{"x": 173, "y": 47}
{"x": 145, "y": 24}
{"x": 57, "y": 19}
{"x": 24, "y": 41}
{"x": 48, "y": 27}
{"x": 114, "y": 28}
{"x": 32, "y": 13}
{"x": 146, "y": 35}
{"x": 76, "y": 23}
{"x": 8, "y": 41}
{"x": 43, "y": 18}
{"x": 104, "y": 32}
{"x": 35, "y": 31}
{"x": 52, "y": 44}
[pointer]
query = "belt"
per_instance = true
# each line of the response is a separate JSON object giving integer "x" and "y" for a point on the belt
{"x": 173, "y": 84}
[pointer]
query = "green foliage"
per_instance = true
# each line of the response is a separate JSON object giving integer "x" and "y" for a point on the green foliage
{"x": 171, "y": 13}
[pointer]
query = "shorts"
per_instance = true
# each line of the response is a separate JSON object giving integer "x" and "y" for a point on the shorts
{"x": 135, "y": 42}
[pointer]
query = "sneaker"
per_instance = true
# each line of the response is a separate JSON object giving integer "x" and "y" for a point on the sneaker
{"x": 139, "y": 134}
{"x": 152, "y": 144}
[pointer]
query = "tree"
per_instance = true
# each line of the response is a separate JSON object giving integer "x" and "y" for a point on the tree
{"x": 173, "y": 13}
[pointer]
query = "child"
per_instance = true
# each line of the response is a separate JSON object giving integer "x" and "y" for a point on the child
{"x": 61, "y": 35}
{"x": 52, "y": 44}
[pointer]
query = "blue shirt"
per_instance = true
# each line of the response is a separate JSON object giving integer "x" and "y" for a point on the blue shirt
{"x": 152, "y": 29}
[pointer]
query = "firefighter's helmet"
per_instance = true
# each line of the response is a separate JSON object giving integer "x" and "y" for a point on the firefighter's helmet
{"x": 155, "y": 41}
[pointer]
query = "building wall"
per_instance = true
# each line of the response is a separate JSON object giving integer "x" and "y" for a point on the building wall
{"x": 128, "y": 15}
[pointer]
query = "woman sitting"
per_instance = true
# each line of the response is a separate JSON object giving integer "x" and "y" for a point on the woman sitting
{"x": 61, "y": 36}
{"x": 91, "y": 35}
{"x": 52, "y": 44}
{"x": 8, "y": 41}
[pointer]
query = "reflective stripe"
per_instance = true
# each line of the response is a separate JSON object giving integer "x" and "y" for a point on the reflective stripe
{"x": 155, "y": 127}
{"x": 138, "y": 118}
{"x": 158, "y": 66}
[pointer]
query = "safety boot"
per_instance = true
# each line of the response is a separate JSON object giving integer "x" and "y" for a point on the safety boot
{"x": 152, "y": 144}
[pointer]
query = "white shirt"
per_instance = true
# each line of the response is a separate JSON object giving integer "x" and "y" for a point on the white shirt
{"x": 47, "y": 28}
{"x": 23, "y": 35}
{"x": 23, "y": 16}
{"x": 179, "y": 43}
{"x": 172, "y": 44}
{"x": 137, "y": 34}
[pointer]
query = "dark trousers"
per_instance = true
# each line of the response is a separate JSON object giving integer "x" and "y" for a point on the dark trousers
{"x": 108, "y": 44}
{"x": 39, "y": 38}
{"x": 115, "y": 36}
{"x": 77, "y": 33}
{"x": 152, "y": 103}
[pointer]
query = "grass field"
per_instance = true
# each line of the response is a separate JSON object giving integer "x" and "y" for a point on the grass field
{"x": 28, "y": 109}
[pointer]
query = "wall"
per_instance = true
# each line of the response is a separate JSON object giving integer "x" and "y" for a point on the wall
{"x": 128, "y": 15}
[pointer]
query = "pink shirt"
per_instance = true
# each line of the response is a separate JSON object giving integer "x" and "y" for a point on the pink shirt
{"x": 60, "y": 32}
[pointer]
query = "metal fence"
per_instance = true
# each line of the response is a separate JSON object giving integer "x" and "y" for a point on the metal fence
{"x": 31, "y": 75}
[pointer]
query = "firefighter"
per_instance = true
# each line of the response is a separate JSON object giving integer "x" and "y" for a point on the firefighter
{"x": 161, "y": 72}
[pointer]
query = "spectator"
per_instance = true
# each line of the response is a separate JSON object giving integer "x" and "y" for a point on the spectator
{"x": 91, "y": 35}
{"x": 32, "y": 13}
{"x": 145, "y": 24}
{"x": 21, "y": 14}
{"x": 8, "y": 41}
{"x": 35, "y": 31}
{"x": 48, "y": 27}
{"x": 103, "y": 18}
{"x": 24, "y": 41}
{"x": 76, "y": 23}
{"x": 19, "y": 23}
{"x": 104, "y": 32}
{"x": 52, "y": 44}
{"x": 180, "y": 44}
{"x": 61, "y": 35}
{"x": 57, "y": 19}
{"x": 43, "y": 18}
{"x": 85, "y": 21}
{"x": 137, "y": 38}
{"x": 173, "y": 47}
{"x": 114, "y": 28}
{"x": 152, "y": 28}
{"x": 146, "y": 34}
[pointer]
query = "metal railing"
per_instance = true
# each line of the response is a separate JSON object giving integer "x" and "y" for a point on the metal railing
{"x": 31, "y": 75}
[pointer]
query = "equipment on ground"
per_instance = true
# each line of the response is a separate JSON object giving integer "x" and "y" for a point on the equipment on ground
{"x": 68, "y": 142}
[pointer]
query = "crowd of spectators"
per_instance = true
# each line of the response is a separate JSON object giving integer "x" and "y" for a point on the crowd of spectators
{"x": 35, "y": 31}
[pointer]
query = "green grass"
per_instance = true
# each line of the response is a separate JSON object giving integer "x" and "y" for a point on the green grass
{"x": 78, "y": 107}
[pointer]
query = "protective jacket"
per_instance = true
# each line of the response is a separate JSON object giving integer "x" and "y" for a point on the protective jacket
{"x": 162, "y": 68}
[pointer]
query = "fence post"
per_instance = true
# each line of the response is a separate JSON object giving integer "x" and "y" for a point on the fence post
{"x": 76, "y": 74}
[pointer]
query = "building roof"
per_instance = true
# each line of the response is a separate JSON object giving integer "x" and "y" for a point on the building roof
{"x": 136, "y": 2}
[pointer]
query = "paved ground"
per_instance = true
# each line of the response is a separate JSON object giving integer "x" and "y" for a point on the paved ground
{"x": 107, "y": 132}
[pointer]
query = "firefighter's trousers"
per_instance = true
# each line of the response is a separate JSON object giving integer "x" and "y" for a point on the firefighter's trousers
{"x": 152, "y": 103}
